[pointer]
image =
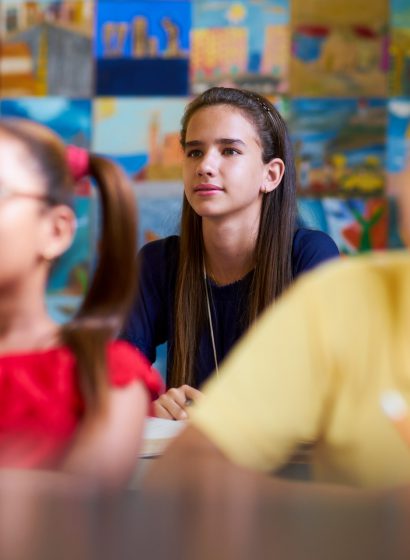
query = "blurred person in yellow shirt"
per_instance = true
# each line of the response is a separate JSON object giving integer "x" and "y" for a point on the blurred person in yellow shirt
{"x": 313, "y": 370}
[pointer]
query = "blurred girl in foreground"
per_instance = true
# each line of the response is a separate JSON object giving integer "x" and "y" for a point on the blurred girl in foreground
{"x": 70, "y": 398}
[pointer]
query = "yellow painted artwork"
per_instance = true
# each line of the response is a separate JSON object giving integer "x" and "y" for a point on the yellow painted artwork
{"x": 339, "y": 48}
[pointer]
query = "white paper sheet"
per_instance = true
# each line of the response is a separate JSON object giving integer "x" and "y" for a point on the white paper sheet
{"x": 158, "y": 433}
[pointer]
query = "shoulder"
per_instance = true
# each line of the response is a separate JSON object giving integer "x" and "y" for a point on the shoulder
{"x": 127, "y": 364}
{"x": 313, "y": 239}
{"x": 370, "y": 278}
{"x": 310, "y": 248}
{"x": 158, "y": 266}
{"x": 157, "y": 251}
{"x": 158, "y": 262}
{"x": 50, "y": 375}
{"x": 41, "y": 362}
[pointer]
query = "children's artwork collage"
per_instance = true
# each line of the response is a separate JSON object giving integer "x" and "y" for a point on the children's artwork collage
{"x": 115, "y": 76}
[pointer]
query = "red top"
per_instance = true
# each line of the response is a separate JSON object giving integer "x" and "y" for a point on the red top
{"x": 41, "y": 404}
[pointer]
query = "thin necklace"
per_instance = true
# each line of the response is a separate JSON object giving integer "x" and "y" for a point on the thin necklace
{"x": 211, "y": 328}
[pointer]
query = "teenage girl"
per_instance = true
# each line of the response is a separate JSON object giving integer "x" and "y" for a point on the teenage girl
{"x": 238, "y": 249}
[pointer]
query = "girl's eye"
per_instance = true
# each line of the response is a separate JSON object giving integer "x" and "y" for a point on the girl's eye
{"x": 194, "y": 153}
{"x": 230, "y": 152}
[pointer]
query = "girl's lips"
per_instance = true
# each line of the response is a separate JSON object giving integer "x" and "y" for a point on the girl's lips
{"x": 207, "y": 187}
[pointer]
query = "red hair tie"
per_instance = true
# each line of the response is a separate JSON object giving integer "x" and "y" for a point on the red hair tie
{"x": 78, "y": 160}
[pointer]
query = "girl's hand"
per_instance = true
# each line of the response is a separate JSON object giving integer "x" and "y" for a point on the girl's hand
{"x": 174, "y": 404}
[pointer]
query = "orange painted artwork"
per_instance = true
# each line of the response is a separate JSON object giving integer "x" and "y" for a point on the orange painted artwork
{"x": 46, "y": 48}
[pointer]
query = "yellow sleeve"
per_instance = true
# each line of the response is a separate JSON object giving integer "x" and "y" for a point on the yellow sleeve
{"x": 271, "y": 391}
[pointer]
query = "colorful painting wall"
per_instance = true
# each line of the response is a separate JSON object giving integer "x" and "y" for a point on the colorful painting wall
{"x": 114, "y": 76}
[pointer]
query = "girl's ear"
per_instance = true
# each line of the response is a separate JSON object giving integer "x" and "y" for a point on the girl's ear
{"x": 274, "y": 171}
{"x": 60, "y": 226}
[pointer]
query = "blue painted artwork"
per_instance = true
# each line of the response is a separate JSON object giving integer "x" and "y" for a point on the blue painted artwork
{"x": 141, "y": 134}
{"x": 307, "y": 48}
{"x": 69, "y": 118}
{"x": 158, "y": 217}
{"x": 142, "y": 48}
{"x": 398, "y": 134}
{"x": 339, "y": 145}
{"x": 400, "y": 13}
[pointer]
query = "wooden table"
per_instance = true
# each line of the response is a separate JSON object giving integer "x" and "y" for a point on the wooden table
{"x": 232, "y": 515}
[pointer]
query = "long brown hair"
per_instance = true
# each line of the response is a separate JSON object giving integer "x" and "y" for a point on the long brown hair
{"x": 273, "y": 250}
{"x": 113, "y": 284}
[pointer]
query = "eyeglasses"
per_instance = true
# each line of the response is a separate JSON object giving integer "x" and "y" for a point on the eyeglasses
{"x": 7, "y": 193}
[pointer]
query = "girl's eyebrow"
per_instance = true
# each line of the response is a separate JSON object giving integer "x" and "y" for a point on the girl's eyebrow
{"x": 222, "y": 141}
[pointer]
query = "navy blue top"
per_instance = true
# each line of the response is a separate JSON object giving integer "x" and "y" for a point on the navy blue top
{"x": 151, "y": 321}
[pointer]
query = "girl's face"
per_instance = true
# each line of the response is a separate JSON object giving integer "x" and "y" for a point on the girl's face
{"x": 223, "y": 171}
{"x": 23, "y": 227}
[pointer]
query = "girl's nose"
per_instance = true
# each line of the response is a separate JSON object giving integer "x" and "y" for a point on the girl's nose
{"x": 206, "y": 166}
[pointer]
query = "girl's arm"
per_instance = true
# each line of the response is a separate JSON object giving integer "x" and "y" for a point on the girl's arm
{"x": 106, "y": 447}
{"x": 146, "y": 327}
{"x": 310, "y": 249}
